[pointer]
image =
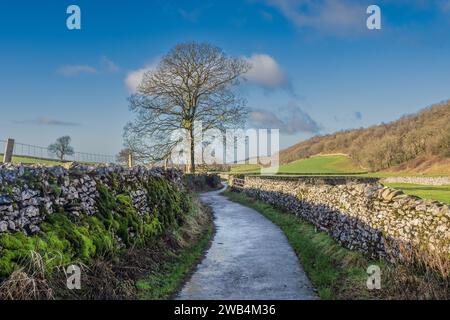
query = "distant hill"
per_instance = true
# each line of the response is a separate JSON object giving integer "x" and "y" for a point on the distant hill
{"x": 415, "y": 142}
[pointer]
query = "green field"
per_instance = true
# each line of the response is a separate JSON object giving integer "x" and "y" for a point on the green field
{"x": 245, "y": 168}
{"x": 322, "y": 164}
{"x": 437, "y": 193}
{"x": 331, "y": 164}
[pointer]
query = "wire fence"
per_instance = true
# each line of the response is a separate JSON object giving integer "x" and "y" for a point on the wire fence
{"x": 31, "y": 152}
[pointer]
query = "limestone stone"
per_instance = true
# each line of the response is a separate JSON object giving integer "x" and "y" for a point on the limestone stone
{"x": 360, "y": 213}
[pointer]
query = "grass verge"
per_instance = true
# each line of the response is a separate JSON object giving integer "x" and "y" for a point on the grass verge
{"x": 340, "y": 273}
{"x": 167, "y": 279}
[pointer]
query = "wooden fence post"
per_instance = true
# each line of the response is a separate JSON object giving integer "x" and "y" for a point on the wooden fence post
{"x": 7, "y": 157}
{"x": 130, "y": 160}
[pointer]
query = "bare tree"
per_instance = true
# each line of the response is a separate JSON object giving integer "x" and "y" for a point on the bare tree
{"x": 123, "y": 156}
{"x": 61, "y": 147}
{"x": 192, "y": 83}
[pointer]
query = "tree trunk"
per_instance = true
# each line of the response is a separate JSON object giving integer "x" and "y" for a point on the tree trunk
{"x": 192, "y": 164}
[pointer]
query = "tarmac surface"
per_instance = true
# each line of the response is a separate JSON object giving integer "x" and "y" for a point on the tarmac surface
{"x": 249, "y": 259}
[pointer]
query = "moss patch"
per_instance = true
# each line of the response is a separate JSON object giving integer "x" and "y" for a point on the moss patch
{"x": 64, "y": 239}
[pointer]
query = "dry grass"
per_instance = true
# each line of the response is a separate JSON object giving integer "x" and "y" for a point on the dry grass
{"x": 409, "y": 282}
{"x": 428, "y": 165}
{"x": 28, "y": 283}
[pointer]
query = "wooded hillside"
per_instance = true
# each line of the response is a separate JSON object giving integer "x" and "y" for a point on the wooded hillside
{"x": 425, "y": 134}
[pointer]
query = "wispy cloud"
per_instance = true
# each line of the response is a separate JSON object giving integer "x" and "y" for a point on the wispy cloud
{"x": 358, "y": 115}
{"x": 108, "y": 65}
{"x": 445, "y": 5}
{"x": 105, "y": 66}
{"x": 49, "y": 122}
{"x": 289, "y": 120}
{"x": 266, "y": 72}
{"x": 266, "y": 16}
{"x": 75, "y": 70}
{"x": 333, "y": 16}
{"x": 191, "y": 16}
{"x": 194, "y": 13}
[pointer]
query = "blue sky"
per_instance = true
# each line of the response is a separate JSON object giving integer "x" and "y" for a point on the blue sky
{"x": 317, "y": 67}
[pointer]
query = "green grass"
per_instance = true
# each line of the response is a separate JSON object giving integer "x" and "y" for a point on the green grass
{"x": 165, "y": 281}
{"x": 330, "y": 164}
{"x": 322, "y": 164}
{"x": 326, "y": 164}
{"x": 238, "y": 168}
{"x": 33, "y": 160}
{"x": 336, "y": 272}
{"x": 437, "y": 193}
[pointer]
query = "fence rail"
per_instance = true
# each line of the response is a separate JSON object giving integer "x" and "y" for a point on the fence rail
{"x": 43, "y": 153}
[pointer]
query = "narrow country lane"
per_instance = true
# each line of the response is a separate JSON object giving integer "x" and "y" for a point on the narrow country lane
{"x": 250, "y": 258}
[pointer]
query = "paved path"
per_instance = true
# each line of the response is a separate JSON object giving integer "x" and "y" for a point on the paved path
{"x": 250, "y": 258}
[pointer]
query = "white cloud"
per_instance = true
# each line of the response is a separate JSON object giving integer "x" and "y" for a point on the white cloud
{"x": 108, "y": 65}
{"x": 134, "y": 78}
{"x": 74, "y": 70}
{"x": 265, "y": 71}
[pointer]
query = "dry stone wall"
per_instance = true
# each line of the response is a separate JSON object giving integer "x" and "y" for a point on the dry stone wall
{"x": 360, "y": 213}
{"x": 29, "y": 193}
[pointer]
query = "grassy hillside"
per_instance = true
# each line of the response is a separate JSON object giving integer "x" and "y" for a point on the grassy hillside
{"x": 332, "y": 164}
{"x": 322, "y": 164}
{"x": 425, "y": 135}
